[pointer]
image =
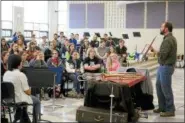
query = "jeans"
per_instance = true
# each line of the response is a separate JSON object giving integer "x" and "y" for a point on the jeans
{"x": 36, "y": 105}
{"x": 76, "y": 83}
{"x": 164, "y": 88}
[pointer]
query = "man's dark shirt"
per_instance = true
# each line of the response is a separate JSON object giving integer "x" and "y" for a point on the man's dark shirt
{"x": 94, "y": 43}
{"x": 121, "y": 51}
{"x": 94, "y": 61}
{"x": 110, "y": 43}
{"x": 168, "y": 50}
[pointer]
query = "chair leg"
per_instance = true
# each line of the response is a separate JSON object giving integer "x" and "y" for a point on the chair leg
{"x": 4, "y": 115}
{"x": 10, "y": 114}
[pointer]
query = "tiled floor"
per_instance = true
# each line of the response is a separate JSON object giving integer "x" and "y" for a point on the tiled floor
{"x": 68, "y": 112}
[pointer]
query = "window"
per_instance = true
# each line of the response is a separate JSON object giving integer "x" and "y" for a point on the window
{"x": 27, "y": 33}
{"x": 43, "y": 33}
{"x": 6, "y": 13}
{"x": 62, "y": 15}
{"x": 6, "y": 32}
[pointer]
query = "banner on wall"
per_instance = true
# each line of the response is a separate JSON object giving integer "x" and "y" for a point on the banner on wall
{"x": 18, "y": 19}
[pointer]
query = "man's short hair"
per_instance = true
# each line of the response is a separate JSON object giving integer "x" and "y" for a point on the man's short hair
{"x": 61, "y": 32}
{"x": 56, "y": 34}
{"x": 169, "y": 26}
{"x": 14, "y": 61}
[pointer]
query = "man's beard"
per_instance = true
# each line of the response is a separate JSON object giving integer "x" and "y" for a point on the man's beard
{"x": 162, "y": 32}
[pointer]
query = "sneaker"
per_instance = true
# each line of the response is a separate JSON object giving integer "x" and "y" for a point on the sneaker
{"x": 167, "y": 114}
{"x": 157, "y": 110}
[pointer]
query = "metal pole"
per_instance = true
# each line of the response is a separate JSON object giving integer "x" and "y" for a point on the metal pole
{"x": 54, "y": 93}
{"x": 111, "y": 107}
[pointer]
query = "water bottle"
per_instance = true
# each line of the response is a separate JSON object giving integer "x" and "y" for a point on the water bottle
{"x": 102, "y": 69}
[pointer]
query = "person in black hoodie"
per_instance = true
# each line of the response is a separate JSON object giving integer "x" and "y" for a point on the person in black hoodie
{"x": 74, "y": 67}
{"x": 48, "y": 52}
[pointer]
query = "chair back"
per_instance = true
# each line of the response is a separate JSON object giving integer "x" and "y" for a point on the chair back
{"x": 131, "y": 70}
{"x": 7, "y": 92}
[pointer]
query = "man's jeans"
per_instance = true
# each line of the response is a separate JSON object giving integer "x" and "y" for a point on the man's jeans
{"x": 164, "y": 88}
{"x": 37, "y": 105}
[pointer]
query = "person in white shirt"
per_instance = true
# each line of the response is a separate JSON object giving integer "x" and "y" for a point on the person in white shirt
{"x": 20, "y": 82}
{"x": 44, "y": 44}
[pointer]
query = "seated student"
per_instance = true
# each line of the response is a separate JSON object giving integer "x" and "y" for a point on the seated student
{"x": 74, "y": 66}
{"x": 4, "y": 45}
{"x": 39, "y": 61}
{"x": 58, "y": 44}
{"x": 77, "y": 38}
{"x": 121, "y": 50}
{"x": 110, "y": 42}
{"x": 20, "y": 43}
{"x": 20, "y": 82}
{"x": 94, "y": 42}
{"x": 70, "y": 51}
{"x": 73, "y": 40}
{"x": 14, "y": 49}
{"x": 92, "y": 64}
{"x": 24, "y": 56}
{"x": 112, "y": 50}
{"x": 48, "y": 52}
{"x": 61, "y": 39}
{"x": 112, "y": 64}
{"x": 44, "y": 44}
{"x": 64, "y": 48}
{"x": 31, "y": 50}
{"x": 83, "y": 49}
{"x": 102, "y": 51}
{"x": 4, "y": 61}
{"x": 56, "y": 61}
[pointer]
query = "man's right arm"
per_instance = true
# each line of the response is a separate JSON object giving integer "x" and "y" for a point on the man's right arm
{"x": 24, "y": 82}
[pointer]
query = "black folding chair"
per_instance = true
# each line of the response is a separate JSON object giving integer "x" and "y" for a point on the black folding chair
{"x": 8, "y": 100}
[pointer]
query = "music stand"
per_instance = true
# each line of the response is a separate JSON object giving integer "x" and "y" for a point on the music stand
{"x": 110, "y": 34}
{"x": 136, "y": 34}
{"x": 98, "y": 35}
{"x": 42, "y": 77}
{"x": 125, "y": 36}
{"x": 87, "y": 34}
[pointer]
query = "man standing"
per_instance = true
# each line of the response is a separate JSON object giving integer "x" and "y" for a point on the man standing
{"x": 167, "y": 59}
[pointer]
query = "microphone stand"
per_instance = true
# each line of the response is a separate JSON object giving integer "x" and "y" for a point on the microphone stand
{"x": 111, "y": 105}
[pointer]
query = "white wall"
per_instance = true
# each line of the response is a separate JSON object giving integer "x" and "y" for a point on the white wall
{"x": 53, "y": 18}
{"x": 18, "y": 19}
{"x": 115, "y": 23}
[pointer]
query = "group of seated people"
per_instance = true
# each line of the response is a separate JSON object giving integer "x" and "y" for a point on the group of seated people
{"x": 76, "y": 57}
{"x": 89, "y": 56}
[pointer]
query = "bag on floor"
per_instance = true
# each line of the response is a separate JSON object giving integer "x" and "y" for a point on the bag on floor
{"x": 57, "y": 92}
{"x": 88, "y": 114}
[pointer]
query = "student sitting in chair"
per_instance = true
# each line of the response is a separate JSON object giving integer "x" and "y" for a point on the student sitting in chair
{"x": 56, "y": 61}
{"x": 74, "y": 67}
{"x": 121, "y": 50}
{"x": 39, "y": 61}
{"x": 92, "y": 64}
{"x": 20, "y": 82}
{"x": 112, "y": 64}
